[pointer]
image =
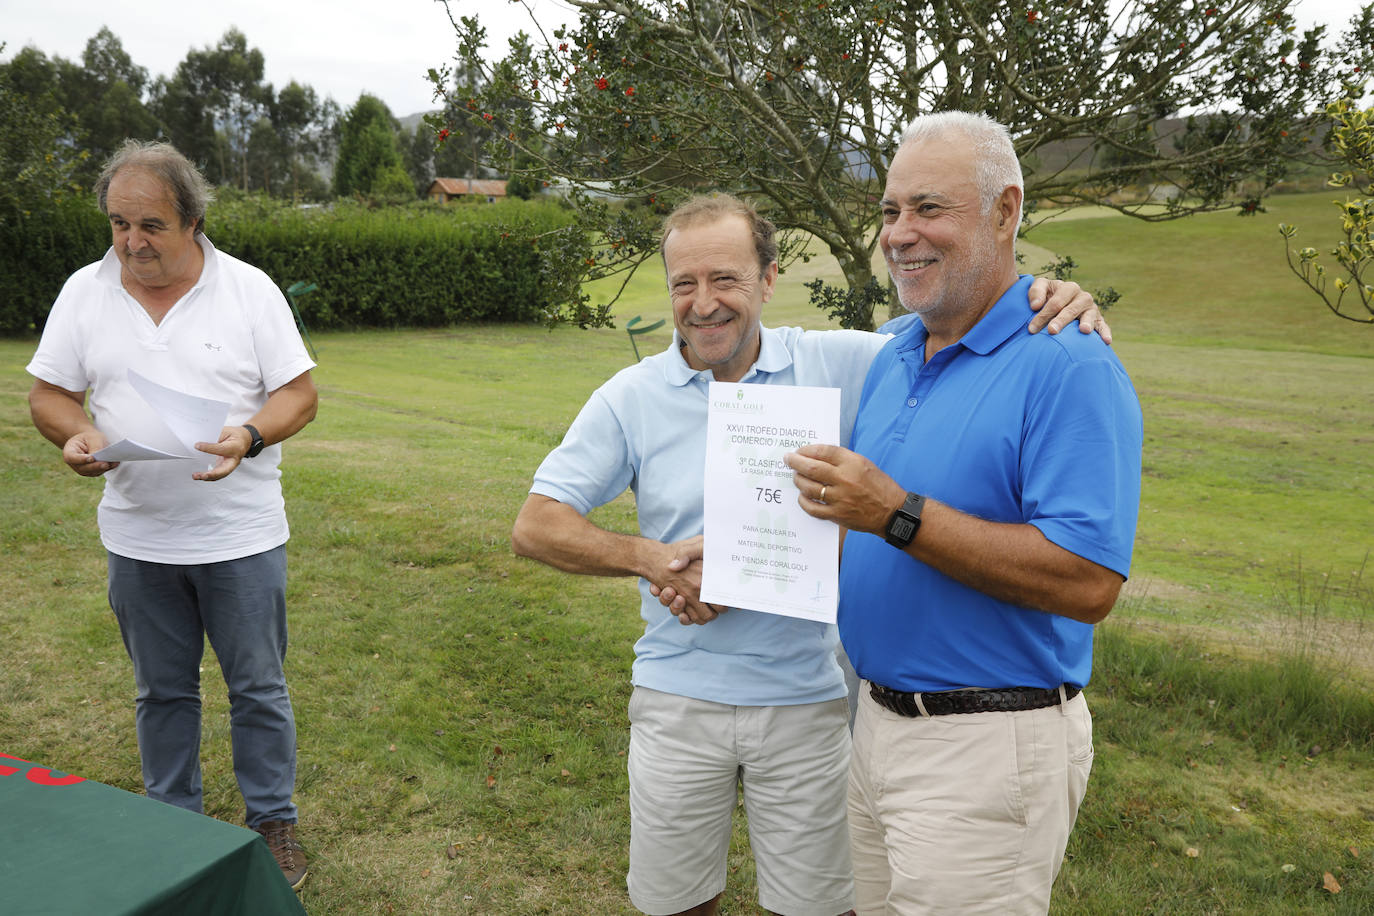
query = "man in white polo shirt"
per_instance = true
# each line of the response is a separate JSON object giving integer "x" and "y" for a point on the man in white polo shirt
{"x": 195, "y": 548}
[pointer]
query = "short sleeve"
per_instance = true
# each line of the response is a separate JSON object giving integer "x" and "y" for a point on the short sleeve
{"x": 276, "y": 340}
{"x": 592, "y": 465}
{"x": 57, "y": 360}
{"x": 1081, "y": 461}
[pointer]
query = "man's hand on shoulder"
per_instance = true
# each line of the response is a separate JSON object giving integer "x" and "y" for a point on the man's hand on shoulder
{"x": 233, "y": 444}
{"x": 79, "y": 452}
{"x": 1058, "y": 302}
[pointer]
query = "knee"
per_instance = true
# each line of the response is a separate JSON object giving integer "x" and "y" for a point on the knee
{"x": 168, "y": 686}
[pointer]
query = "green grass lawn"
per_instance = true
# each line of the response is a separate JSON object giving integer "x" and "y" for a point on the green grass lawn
{"x": 462, "y": 713}
{"x": 1256, "y": 400}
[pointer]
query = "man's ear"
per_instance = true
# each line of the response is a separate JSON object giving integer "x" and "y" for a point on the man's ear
{"x": 1008, "y": 207}
{"x": 769, "y": 280}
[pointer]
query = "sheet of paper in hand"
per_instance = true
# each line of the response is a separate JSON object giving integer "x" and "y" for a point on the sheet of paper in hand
{"x": 190, "y": 420}
{"x": 761, "y": 551}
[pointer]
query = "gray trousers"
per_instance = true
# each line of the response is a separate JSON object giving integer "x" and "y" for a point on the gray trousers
{"x": 165, "y": 612}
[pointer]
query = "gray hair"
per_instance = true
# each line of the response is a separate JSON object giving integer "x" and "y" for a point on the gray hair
{"x": 707, "y": 208}
{"x": 995, "y": 166}
{"x": 188, "y": 188}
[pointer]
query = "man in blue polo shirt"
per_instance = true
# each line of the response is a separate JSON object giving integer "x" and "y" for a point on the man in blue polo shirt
{"x": 972, "y": 575}
{"x": 751, "y": 699}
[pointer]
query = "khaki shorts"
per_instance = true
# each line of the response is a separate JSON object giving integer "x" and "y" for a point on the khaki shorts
{"x": 687, "y": 758}
{"x": 964, "y": 814}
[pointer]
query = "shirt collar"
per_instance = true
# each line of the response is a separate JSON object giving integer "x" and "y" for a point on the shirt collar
{"x": 210, "y": 270}
{"x": 1005, "y": 318}
{"x": 773, "y": 357}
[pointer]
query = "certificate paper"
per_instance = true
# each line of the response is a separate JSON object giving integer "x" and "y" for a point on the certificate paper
{"x": 761, "y": 550}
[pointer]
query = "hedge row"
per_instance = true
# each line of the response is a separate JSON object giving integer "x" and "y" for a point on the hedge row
{"x": 38, "y": 251}
{"x": 422, "y": 266}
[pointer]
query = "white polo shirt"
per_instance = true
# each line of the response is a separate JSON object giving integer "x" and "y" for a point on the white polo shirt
{"x": 231, "y": 338}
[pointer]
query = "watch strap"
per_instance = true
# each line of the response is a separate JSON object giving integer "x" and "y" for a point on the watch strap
{"x": 256, "y": 446}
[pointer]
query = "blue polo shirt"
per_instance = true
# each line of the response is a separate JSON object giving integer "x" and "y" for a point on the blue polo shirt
{"x": 1008, "y": 426}
{"x": 645, "y": 429}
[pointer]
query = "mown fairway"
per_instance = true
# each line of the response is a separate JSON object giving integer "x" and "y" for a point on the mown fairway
{"x": 462, "y": 713}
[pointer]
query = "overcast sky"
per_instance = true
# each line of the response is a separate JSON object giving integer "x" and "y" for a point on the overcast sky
{"x": 342, "y": 47}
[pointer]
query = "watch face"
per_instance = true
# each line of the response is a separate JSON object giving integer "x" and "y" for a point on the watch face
{"x": 901, "y": 529}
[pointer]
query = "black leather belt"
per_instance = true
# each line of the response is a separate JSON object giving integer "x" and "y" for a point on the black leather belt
{"x": 958, "y": 702}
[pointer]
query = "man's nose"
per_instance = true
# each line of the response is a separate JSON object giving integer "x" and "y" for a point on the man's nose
{"x": 703, "y": 299}
{"x": 902, "y": 231}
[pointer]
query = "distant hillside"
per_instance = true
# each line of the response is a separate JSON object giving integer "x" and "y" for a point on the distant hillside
{"x": 412, "y": 121}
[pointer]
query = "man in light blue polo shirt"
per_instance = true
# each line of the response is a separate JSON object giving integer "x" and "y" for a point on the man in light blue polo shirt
{"x": 752, "y": 698}
{"x": 972, "y": 575}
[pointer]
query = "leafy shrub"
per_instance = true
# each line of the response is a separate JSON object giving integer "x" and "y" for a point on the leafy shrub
{"x": 39, "y": 250}
{"x": 416, "y": 266}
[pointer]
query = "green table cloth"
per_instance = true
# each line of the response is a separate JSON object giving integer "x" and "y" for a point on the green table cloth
{"x": 70, "y": 846}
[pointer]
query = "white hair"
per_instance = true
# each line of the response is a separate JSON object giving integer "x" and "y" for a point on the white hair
{"x": 995, "y": 166}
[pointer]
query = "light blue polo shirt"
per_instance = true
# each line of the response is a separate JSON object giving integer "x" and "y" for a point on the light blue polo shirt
{"x": 1007, "y": 426}
{"x": 645, "y": 429}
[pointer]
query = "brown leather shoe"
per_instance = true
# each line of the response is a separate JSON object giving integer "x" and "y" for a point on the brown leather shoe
{"x": 281, "y": 839}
